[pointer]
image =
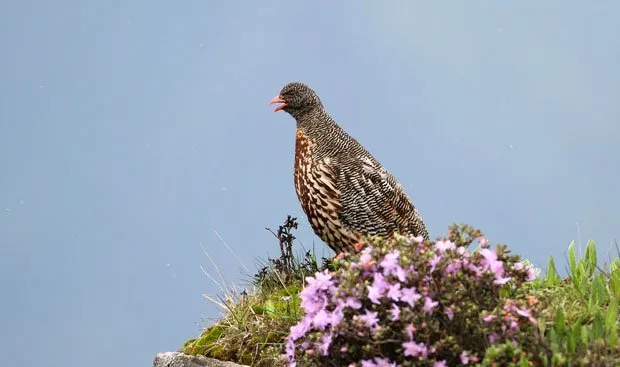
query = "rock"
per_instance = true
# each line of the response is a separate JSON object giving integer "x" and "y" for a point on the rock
{"x": 176, "y": 359}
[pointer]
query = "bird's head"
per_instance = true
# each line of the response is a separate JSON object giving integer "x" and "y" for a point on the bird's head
{"x": 296, "y": 98}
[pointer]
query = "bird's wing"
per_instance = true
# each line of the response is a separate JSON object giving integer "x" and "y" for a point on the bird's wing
{"x": 373, "y": 201}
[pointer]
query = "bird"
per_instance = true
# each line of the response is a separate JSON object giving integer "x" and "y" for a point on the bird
{"x": 344, "y": 191}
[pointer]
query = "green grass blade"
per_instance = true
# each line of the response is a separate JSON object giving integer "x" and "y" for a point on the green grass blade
{"x": 552, "y": 275}
{"x": 590, "y": 258}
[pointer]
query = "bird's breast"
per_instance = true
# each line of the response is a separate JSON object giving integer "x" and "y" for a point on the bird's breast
{"x": 317, "y": 191}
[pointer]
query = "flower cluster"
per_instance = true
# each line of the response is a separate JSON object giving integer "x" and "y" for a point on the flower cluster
{"x": 406, "y": 302}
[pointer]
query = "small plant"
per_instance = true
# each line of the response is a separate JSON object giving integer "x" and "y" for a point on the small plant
{"x": 409, "y": 303}
{"x": 255, "y": 322}
{"x": 288, "y": 268}
{"x": 580, "y": 313}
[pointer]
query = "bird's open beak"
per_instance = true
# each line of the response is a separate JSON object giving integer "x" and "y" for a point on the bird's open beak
{"x": 278, "y": 99}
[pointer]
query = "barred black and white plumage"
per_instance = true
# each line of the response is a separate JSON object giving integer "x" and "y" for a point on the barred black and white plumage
{"x": 342, "y": 188}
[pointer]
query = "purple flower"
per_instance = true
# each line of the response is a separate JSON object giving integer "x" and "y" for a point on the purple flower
{"x": 374, "y": 293}
{"x": 443, "y": 246}
{"x": 322, "y": 280}
{"x": 300, "y": 329}
{"x": 395, "y": 312}
{"x": 449, "y": 313}
{"x": 429, "y": 304}
{"x": 325, "y": 343}
{"x": 384, "y": 362}
{"x": 368, "y": 363}
{"x": 351, "y": 302}
{"x": 410, "y": 296}
{"x": 489, "y": 255}
{"x": 366, "y": 257}
{"x": 409, "y": 329}
{"x": 490, "y": 261}
{"x": 502, "y": 281}
{"x": 369, "y": 319}
{"x": 311, "y": 302}
{"x": 489, "y": 318}
{"x": 289, "y": 349}
{"x": 413, "y": 349}
{"x": 484, "y": 243}
{"x": 475, "y": 269}
{"x": 321, "y": 319}
{"x": 493, "y": 338}
{"x": 433, "y": 262}
{"x": 441, "y": 363}
{"x": 380, "y": 282}
{"x": 453, "y": 267}
{"x": 378, "y": 288}
{"x": 514, "y": 326}
{"x": 336, "y": 316}
{"x": 465, "y": 357}
{"x": 400, "y": 273}
{"x": 390, "y": 261}
{"x": 394, "y": 292}
{"x": 531, "y": 274}
{"x": 526, "y": 313}
{"x": 313, "y": 296}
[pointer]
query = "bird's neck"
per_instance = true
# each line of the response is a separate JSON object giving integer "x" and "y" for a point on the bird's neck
{"x": 327, "y": 137}
{"x": 315, "y": 121}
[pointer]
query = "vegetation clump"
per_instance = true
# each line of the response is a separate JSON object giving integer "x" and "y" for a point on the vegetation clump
{"x": 256, "y": 321}
{"x": 407, "y": 302}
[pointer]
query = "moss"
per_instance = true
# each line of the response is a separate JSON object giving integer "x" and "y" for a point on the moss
{"x": 200, "y": 345}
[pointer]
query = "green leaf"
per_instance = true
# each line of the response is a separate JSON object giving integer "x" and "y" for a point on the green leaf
{"x": 584, "y": 335}
{"x": 524, "y": 362}
{"x": 611, "y": 316}
{"x": 613, "y": 338}
{"x": 572, "y": 260}
{"x": 590, "y": 258}
{"x": 582, "y": 281}
{"x": 270, "y": 307}
{"x": 542, "y": 328}
{"x": 599, "y": 292}
{"x": 571, "y": 343}
{"x": 576, "y": 332}
{"x": 559, "y": 326}
{"x": 597, "y": 327}
{"x": 614, "y": 282}
{"x": 615, "y": 264}
{"x": 553, "y": 339}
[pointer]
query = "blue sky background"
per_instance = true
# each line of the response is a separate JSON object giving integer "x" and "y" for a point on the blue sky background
{"x": 131, "y": 130}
